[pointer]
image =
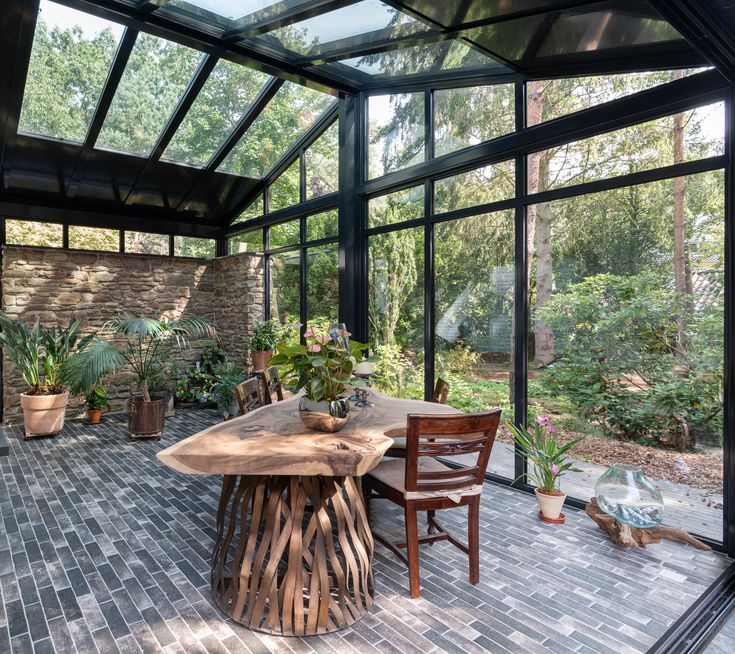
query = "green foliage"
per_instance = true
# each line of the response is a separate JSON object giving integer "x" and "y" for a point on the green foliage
{"x": 322, "y": 368}
{"x": 268, "y": 334}
{"x": 546, "y": 456}
{"x": 96, "y": 397}
{"x": 227, "y": 376}
{"x": 41, "y": 353}
{"x": 142, "y": 340}
{"x": 396, "y": 374}
{"x": 212, "y": 358}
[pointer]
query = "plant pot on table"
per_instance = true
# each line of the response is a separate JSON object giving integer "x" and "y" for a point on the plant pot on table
{"x": 43, "y": 415}
{"x": 146, "y": 419}
{"x": 325, "y": 415}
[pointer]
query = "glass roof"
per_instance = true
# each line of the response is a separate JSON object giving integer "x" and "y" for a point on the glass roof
{"x": 291, "y": 112}
{"x": 218, "y": 108}
{"x": 157, "y": 74}
{"x": 230, "y": 14}
{"x": 71, "y": 57}
{"x": 323, "y": 34}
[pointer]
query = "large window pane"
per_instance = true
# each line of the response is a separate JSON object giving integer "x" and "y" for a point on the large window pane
{"x": 254, "y": 210}
{"x": 396, "y": 207}
{"x": 216, "y": 111}
{"x": 285, "y": 286}
{"x": 285, "y": 191}
{"x": 154, "y": 80}
{"x": 191, "y": 246}
{"x": 291, "y": 112}
{"x": 626, "y": 347}
{"x": 395, "y": 132}
{"x": 322, "y": 225}
{"x": 94, "y": 238}
{"x": 322, "y": 164}
{"x": 29, "y": 232}
{"x": 481, "y": 186}
{"x": 146, "y": 243}
{"x": 71, "y": 57}
{"x": 322, "y": 287}
{"x": 474, "y": 278}
{"x": 285, "y": 234}
{"x": 247, "y": 242}
{"x": 686, "y": 136}
{"x": 396, "y": 310}
{"x": 467, "y": 116}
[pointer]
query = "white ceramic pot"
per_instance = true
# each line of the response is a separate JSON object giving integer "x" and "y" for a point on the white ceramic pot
{"x": 44, "y": 414}
{"x": 550, "y": 505}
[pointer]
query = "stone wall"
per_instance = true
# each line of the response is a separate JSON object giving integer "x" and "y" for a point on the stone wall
{"x": 94, "y": 287}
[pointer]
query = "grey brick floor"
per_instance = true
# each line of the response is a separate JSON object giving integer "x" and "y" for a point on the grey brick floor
{"x": 105, "y": 549}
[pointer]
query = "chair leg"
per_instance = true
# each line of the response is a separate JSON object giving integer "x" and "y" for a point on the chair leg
{"x": 412, "y": 549}
{"x": 473, "y": 540}
{"x": 429, "y": 517}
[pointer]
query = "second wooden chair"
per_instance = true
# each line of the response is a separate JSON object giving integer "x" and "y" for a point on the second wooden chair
{"x": 249, "y": 396}
{"x": 271, "y": 384}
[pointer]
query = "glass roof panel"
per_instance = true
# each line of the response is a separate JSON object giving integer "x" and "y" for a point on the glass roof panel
{"x": 456, "y": 12}
{"x": 438, "y": 56}
{"x": 71, "y": 58}
{"x": 154, "y": 80}
{"x": 335, "y": 29}
{"x": 291, "y": 112}
{"x": 230, "y": 14}
{"x": 218, "y": 108}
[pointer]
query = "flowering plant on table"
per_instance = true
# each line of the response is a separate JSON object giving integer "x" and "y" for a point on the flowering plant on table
{"x": 323, "y": 367}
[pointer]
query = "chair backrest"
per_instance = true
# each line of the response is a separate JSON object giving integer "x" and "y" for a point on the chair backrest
{"x": 447, "y": 436}
{"x": 271, "y": 384}
{"x": 248, "y": 395}
{"x": 441, "y": 390}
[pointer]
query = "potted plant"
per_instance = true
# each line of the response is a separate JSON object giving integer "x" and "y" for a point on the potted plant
{"x": 323, "y": 369}
{"x": 547, "y": 462}
{"x": 164, "y": 374}
{"x": 40, "y": 354}
{"x": 96, "y": 400}
{"x": 227, "y": 376}
{"x": 138, "y": 343}
{"x": 266, "y": 337}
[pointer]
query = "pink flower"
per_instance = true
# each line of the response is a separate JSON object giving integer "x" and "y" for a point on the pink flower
{"x": 555, "y": 469}
{"x": 541, "y": 420}
{"x": 315, "y": 348}
{"x": 324, "y": 338}
{"x": 343, "y": 332}
{"x": 551, "y": 430}
{"x": 308, "y": 334}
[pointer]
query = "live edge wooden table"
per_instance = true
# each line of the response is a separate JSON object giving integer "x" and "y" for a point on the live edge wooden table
{"x": 293, "y": 552}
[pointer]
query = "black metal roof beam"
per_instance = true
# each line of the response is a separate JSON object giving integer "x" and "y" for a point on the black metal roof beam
{"x": 165, "y": 27}
{"x": 17, "y": 26}
{"x": 308, "y": 208}
{"x": 325, "y": 121}
{"x": 441, "y": 80}
{"x": 670, "y": 98}
{"x": 103, "y": 106}
{"x": 705, "y": 28}
{"x": 149, "y": 6}
{"x": 296, "y": 14}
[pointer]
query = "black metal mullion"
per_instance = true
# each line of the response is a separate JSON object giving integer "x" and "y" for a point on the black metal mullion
{"x": 266, "y": 273}
{"x": 429, "y": 268}
{"x": 315, "y": 205}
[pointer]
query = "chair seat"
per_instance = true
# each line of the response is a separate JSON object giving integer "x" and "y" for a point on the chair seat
{"x": 391, "y": 472}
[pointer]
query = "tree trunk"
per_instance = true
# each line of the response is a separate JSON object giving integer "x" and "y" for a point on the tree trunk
{"x": 144, "y": 391}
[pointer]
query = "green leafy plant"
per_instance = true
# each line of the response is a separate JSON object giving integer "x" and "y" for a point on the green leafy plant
{"x": 40, "y": 353}
{"x": 547, "y": 458}
{"x": 96, "y": 398}
{"x": 322, "y": 368}
{"x": 227, "y": 376}
{"x": 211, "y": 358}
{"x": 142, "y": 339}
{"x": 268, "y": 335}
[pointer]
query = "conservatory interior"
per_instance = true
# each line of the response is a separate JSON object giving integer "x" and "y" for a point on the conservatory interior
{"x": 278, "y": 262}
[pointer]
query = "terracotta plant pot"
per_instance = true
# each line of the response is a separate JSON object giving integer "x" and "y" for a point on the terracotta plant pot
{"x": 94, "y": 416}
{"x": 260, "y": 359}
{"x": 43, "y": 415}
{"x": 145, "y": 419}
{"x": 550, "y": 505}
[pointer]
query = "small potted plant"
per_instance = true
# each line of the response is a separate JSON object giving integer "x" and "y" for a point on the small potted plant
{"x": 547, "y": 462}
{"x": 41, "y": 355}
{"x": 137, "y": 346}
{"x": 228, "y": 376}
{"x": 266, "y": 337}
{"x": 323, "y": 369}
{"x": 96, "y": 400}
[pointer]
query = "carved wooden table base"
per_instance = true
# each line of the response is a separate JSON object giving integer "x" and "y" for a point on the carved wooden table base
{"x": 293, "y": 555}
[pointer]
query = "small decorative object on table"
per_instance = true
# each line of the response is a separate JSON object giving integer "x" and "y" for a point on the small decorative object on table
{"x": 323, "y": 368}
{"x": 629, "y": 508}
{"x": 547, "y": 462}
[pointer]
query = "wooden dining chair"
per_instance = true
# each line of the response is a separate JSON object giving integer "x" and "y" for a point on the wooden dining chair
{"x": 422, "y": 483}
{"x": 441, "y": 391}
{"x": 249, "y": 396}
{"x": 271, "y": 384}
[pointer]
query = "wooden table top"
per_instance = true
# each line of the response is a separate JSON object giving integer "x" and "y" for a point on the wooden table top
{"x": 272, "y": 440}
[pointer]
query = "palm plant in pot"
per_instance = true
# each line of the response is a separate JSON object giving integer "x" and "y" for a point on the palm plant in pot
{"x": 138, "y": 342}
{"x": 547, "y": 462}
{"x": 40, "y": 353}
{"x": 323, "y": 369}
